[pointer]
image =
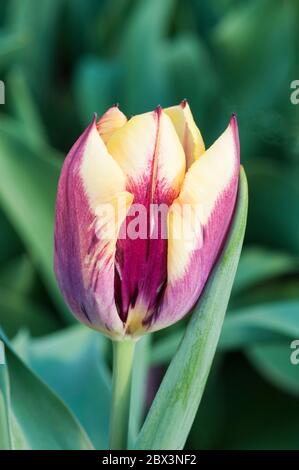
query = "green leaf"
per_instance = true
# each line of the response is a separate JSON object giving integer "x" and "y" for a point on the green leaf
{"x": 29, "y": 202}
{"x": 72, "y": 362}
{"x": 21, "y": 301}
{"x": 266, "y": 36}
{"x": 273, "y": 213}
{"x": 20, "y": 310}
{"x": 257, "y": 416}
{"x": 260, "y": 323}
{"x": 258, "y": 264}
{"x": 37, "y": 21}
{"x": 11, "y": 44}
{"x": 10, "y": 244}
{"x": 243, "y": 327}
{"x": 41, "y": 420}
{"x": 212, "y": 411}
{"x": 186, "y": 58}
{"x": 25, "y": 108}
{"x": 18, "y": 273}
{"x": 146, "y": 65}
{"x": 273, "y": 361}
{"x": 172, "y": 413}
{"x": 5, "y": 412}
{"x": 94, "y": 87}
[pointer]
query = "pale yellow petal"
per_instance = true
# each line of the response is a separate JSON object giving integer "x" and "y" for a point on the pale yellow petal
{"x": 187, "y": 131}
{"x": 112, "y": 120}
{"x": 148, "y": 150}
{"x": 105, "y": 186}
{"x": 206, "y": 182}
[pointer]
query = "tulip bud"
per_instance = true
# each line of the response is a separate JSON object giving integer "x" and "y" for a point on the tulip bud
{"x": 142, "y": 213}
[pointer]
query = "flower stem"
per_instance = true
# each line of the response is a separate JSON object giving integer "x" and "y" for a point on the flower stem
{"x": 123, "y": 354}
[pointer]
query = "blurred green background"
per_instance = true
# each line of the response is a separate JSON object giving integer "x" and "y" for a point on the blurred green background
{"x": 62, "y": 60}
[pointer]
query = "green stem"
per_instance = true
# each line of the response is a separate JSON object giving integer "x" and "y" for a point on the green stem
{"x": 123, "y": 354}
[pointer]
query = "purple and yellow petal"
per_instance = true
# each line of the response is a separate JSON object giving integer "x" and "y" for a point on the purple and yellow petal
{"x": 209, "y": 189}
{"x": 84, "y": 254}
{"x": 149, "y": 152}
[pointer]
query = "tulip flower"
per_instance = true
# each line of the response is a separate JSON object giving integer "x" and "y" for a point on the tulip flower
{"x": 142, "y": 213}
{"x": 126, "y": 287}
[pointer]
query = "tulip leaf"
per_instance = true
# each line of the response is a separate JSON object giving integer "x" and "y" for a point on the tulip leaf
{"x": 274, "y": 187}
{"x": 242, "y": 328}
{"x": 94, "y": 87}
{"x": 10, "y": 245}
{"x": 164, "y": 349}
{"x": 258, "y": 264}
{"x": 11, "y": 44}
{"x": 40, "y": 421}
{"x": 266, "y": 36}
{"x": 25, "y": 108}
{"x": 260, "y": 323}
{"x": 37, "y": 22}
{"x": 148, "y": 60}
{"x": 257, "y": 416}
{"x": 273, "y": 361}
{"x": 281, "y": 289}
{"x": 5, "y": 412}
{"x": 29, "y": 202}
{"x": 72, "y": 363}
{"x": 174, "y": 408}
{"x": 18, "y": 309}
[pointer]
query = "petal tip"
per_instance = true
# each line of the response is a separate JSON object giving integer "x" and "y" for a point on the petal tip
{"x": 235, "y": 131}
{"x": 184, "y": 103}
{"x": 158, "y": 110}
{"x": 94, "y": 120}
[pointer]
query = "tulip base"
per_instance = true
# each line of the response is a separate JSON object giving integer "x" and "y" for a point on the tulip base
{"x": 123, "y": 355}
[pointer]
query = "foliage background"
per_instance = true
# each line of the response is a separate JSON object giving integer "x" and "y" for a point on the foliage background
{"x": 61, "y": 61}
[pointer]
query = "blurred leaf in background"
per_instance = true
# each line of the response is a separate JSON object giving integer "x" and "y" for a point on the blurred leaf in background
{"x": 61, "y": 61}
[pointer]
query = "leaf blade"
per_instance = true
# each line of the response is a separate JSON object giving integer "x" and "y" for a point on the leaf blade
{"x": 5, "y": 412}
{"x": 42, "y": 420}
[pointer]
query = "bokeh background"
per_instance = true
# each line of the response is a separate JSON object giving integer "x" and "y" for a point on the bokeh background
{"x": 63, "y": 60}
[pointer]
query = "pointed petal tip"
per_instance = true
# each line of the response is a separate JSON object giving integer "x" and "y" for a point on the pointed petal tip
{"x": 234, "y": 122}
{"x": 184, "y": 103}
{"x": 235, "y": 130}
{"x": 158, "y": 110}
{"x": 94, "y": 120}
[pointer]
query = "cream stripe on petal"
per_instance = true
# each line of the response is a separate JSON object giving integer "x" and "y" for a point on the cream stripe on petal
{"x": 184, "y": 236}
{"x": 84, "y": 255}
{"x": 133, "y": 145}
{"x": 148, "y": 139}
{"x": 187, "y": 131}
{"x": 101, "y": 175}
{"x": 149, "y": 152}
{"x": 205, "y": 181}
{"x": 171, "y": 158}
{"x": 104, "y": 184}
